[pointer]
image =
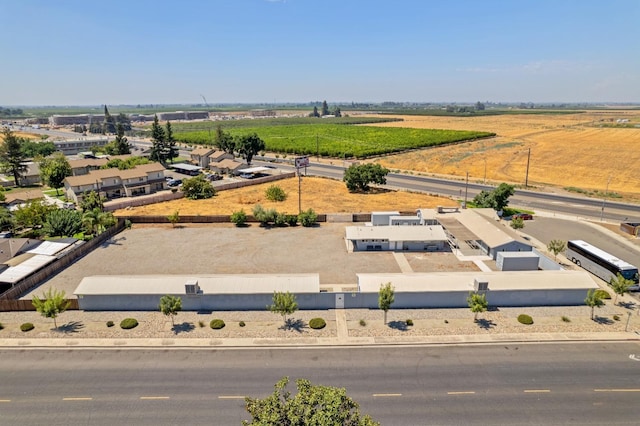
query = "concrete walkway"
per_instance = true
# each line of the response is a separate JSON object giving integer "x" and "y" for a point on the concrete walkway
{"x": 403, "y": 264}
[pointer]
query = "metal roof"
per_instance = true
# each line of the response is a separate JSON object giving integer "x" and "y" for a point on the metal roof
{"x": 185, "y": 166}
{"x": 463, "y": 281}
{"x": 256, "y": 169}
{"x": 209, "y": 284}
{"x": 49, "y": 247}
{"x": 14, "y": 274}
{"x": 396, "y": 233}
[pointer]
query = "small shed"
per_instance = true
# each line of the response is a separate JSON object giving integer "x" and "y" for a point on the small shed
{"x": 382, "y": 218}
{"x": 517, "y": 261}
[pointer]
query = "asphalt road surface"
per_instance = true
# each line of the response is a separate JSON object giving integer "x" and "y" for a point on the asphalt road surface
{"x": 560, "y": 384}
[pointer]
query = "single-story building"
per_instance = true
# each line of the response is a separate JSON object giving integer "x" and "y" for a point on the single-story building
{"x": 200, "y": 156}
{"x": 374, "y": 238}
{"x": 228, "y": 166}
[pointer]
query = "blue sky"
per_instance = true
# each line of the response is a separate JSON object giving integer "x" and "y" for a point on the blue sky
{"x": 78, "y": 52}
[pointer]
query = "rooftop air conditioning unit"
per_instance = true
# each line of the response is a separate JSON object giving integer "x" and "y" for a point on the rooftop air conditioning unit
{"x": 192, "y": 287}
{"x": 480, "y": 285}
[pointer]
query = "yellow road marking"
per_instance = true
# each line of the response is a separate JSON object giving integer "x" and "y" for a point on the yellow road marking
{"x": 154, "y": 397}
{"x": 387, "y": 394}
{"x": 616, "y": 390}
{"x": 231, "y": 397}
{"x": 461, "y": 393}
{"x": 81, "y": 398}
{"x": 537, "y": 390}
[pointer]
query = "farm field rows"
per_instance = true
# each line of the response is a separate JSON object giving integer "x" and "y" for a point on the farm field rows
{"x": 322, "y": 195}
{"x": 572, "y": 150}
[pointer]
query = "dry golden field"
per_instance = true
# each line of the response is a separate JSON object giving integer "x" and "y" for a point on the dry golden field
{"x": 322, "y": 195}
{"x": 566, "y": 150}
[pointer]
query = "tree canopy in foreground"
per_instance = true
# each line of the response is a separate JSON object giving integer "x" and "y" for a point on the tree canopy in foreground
{"x": 312, "y": 405}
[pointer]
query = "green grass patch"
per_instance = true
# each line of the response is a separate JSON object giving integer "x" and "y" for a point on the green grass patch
{"x": 333, "y": 140}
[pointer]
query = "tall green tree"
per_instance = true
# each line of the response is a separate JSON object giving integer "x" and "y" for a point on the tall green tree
{"x": 53, "y": 171}
{"x": 121, "y": 144}
{"x": 32, "y": 149}
{"x": 7, "y": 221}
{"x": 170, "y": 306}
{"x": 12, "y": 158}
{"x": 477, "y": 303}
{"x": 386, "y": 297}
{"x": 620, "y": 285}
{"x": 33, "y": 214}
{"x": 593, "y": 300}
{"x": 249, "y": 145}
{"x": 52, "y": 304}
{"x": 555, "y": 247}
{"x": 157, "y": 141}
{"x": 109, "y": 125}
{"x": 124, "y": 120}
{"x": 358, "y": 177}
{"x": 315, "y": 112}
{"x": 92, "y": 201}
{"x": 97, "y": 221}
{"x": 325, "y": 108}
{"x": 283, "y": 304}
{"x": 171, "y": 149}
{"x": 497, "y": 199}
{"x": 224, "y": 141}
{"x": 198, "y": 188}
{"x": 312, "y": 405}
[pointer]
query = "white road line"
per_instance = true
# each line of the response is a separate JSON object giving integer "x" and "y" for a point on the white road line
{"x": 537, "y": 390}
{"x": 231, "y": 397}
{"x": 5, "y": 400}
{"x": 461, "y": 393}
{"x": 386, "y": 394}
{"x": 154, "y": 397}
{"x": 77, "y": 398}
{"x": 616, "y": 390}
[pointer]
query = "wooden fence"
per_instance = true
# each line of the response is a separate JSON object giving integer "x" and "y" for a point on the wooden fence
{"x": 7, "y": 305}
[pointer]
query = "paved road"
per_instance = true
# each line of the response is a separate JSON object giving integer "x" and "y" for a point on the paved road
{"x": 586, "y": 384}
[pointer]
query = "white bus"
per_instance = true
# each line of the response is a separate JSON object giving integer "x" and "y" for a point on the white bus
{"x": 600, "y": 263}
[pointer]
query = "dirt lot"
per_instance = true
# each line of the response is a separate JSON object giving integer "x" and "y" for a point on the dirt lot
{"x": 224, "y": 249}
{"x": 566, "y": 150}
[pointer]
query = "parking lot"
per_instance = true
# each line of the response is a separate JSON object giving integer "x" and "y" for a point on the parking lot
{"x": 224, "y": 249}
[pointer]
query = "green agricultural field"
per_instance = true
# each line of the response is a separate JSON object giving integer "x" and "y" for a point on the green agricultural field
{"x": 334, "y": 140}
{"x": 276, "y": 121}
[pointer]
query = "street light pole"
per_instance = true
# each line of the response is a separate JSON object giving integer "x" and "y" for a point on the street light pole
{"x": 606, "y": 191}
{"x": 526, "y": 178}
{"x": 465, "y": 191}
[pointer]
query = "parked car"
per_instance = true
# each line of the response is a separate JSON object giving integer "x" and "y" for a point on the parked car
{"x": 175, "y": 182}
{"x": 523, "y": 216}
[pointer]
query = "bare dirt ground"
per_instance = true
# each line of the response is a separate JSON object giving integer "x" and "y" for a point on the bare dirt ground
{"x": 566, "y": 150}
{"x": 322, "y": 195}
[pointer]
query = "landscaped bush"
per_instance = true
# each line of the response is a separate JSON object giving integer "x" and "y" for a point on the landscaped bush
{"x": 292, "y": 219}
{"x": 602, "y": 294}
{"x": 217, "y": 324}
{"x": 409, "y": 322}
{"x": 565, "y": 319}
{"x": 110, "y": 324}
{"x": 241, "y": 324}
{"x": 616, "y": 317}
{"x": 363, "y": 323}
{"x": 446, "y": 321}
{"x": 27, "y": 326}
{"x": 239, "y": 218}
{"x": 280, "y": 219}
{"x": 1, "y": 326}
{"x": 317, "y": 323}
{"x": 308, "y": 218}
{"x": 525, "y": 319}
{"x": 200, "y": 324}
{"x": 275, "y": 193}
{"x": 128, "y": 323}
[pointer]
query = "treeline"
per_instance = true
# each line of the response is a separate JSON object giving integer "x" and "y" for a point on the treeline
{"x": 10, "y": 112}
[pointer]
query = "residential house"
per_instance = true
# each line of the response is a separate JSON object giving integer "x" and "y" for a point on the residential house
{"x": 31, "y": 175}
{"x": 83, "y": 166}
{"x": 114, "y": 183}
{"x": 228, "y": 166}
{"x": 200, "y": 156}
{"x": 15, "y": 199}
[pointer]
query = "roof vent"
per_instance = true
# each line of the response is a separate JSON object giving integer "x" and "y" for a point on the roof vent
{"x": 192, "y": 287}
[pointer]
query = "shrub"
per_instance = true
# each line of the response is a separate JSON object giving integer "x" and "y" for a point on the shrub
{"x": 363, "y": 323}
{"x": 1, "y": 326}
{"x": 217, "y": 324}
{"x": 241, "y": 324}
{"x": 616, "y": 317}
{"x": 565, "y": 319}
{"x": 27, "y": 326}
{"x": 280, "y": 219}
{"x": 110, "y": 324}
{"x": 200, "y": 324}
{"x": 446, "y": 321}
{"x": 128, "y": 323}
{"x": 317, "y": 323}
{"x": 525, "y": 319}
{"x": 275, "y": 193}
{"x": 239, "y": 218}
{"x": 409, "y": 322}
{"x": 308, "y": 218}
{"x": 264, "y": 216}
{"x": 292, "y": 219}
{"x": 602, "y": 294}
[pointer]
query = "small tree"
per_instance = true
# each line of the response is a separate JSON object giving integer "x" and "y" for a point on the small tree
{"x": 386, "y": 297}
{"x": 477, "y": 303}
{"x": 283, "y": 304}
{"x": 249, "y": 145}
{"x": 170, "y": 306}
{"x": 358, "y": 177}
{"x": 174, "y": 218}
{"x": 12, "y": 158}
{"x": 52, "y": 304}
{"x": 54, "y": 170}
{"x": 198, "y": 188}
{"x": 63, "y": 222}
{"x": 593, "y": 300}
{"x": 517, "y": 223}
{"x": 497, "y": 199}
{"x": 312, "y": 405}
{"x": 555, "y": 247}
{"x": 121, "y": 144}
{"x": 620, "y": 285}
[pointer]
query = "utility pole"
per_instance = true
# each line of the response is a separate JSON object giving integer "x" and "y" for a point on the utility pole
{"x": 606, "y": 191}
{"x": 466, "y": 187}
{"x": 317, "y": 148}
{"x": 526, "y": 179}
{"x": 299, "y": 191}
